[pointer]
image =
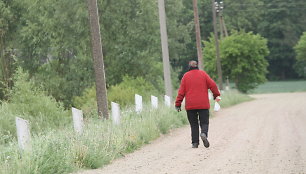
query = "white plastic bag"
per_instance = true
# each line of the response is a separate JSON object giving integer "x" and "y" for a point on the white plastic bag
{"x": 217, "y": 107}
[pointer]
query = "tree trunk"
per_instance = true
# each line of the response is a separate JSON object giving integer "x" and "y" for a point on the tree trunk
{"x": 98, "y": 59}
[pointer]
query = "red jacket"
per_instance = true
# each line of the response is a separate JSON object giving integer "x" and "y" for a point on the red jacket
{"x": 194, "y": 87}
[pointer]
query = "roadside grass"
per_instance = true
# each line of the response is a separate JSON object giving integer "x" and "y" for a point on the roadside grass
{"x": 233, "y": 97}
{"x": 63, "y": 151}
{"x": 280, "y": 87}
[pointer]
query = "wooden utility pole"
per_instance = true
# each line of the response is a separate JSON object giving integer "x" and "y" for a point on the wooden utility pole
{"x": 98, "y": 59}
{"x": 219, "y": 69}
{"x": 198, "y": 34}
{"x": 164, "y": 43}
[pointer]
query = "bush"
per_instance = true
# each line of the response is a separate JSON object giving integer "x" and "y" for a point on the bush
{"x": 123, "y": 94}
{"x": 31, "y": 103}
{"x": 242, "y": 57}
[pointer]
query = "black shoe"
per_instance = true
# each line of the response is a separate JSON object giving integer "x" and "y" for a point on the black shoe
{"x": 195, "y": 145}
{"x": 204, "y": 139}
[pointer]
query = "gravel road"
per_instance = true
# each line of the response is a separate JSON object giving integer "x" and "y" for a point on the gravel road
{"x": 266, "y": 135}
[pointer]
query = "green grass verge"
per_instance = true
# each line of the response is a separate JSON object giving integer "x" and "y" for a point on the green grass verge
{"x": 62, "y": 151}
{"x": 280, "y": 87}
{"x": 233, "y": 97}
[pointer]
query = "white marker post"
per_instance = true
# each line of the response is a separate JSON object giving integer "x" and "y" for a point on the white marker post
{"x": 138, "y": 102}
{"x": 154, "y": 102}
{"x": 227, "y": 88}
{"x": 23, "y": 134}
{"x": 167, "y": 101}
{"x": 78, "y": 123}
{"x": 115, "y": 113}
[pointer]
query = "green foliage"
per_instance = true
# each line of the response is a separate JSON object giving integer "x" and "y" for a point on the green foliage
{"x": 300, "y": 50}
{"x": 184, "y": 32}
{"x": 180, "y": 30}
{"x": 53, "y": 31}
{"x": 31, "y": 103}
{"x": 87, "y": 101}
{"x": 131, "y": 40}
{"x": 242, "y": 57}
{"x": 243, "y": 14}
{"x": 55, "y": 47}
{"x": 7, "y": 52}
{"x": 281, "y": 24}
{"x": 54, "y": 44}
{"x": 77, "y": 77}
{"x": 123, "y": 94}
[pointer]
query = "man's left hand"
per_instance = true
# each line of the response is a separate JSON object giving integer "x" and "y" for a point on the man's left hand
{"x": 178, "y": 108}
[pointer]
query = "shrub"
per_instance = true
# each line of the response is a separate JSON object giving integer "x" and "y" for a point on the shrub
{"x": 122, "y": 94}
{"x": 242, "y": 57}
{"x": 31, "y": 103}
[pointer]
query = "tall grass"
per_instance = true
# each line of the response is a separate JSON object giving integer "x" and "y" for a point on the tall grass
{"x": 63, "y": 151}
{"x": 233, "y": 97}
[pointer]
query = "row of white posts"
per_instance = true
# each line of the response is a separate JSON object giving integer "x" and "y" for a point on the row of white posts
{"x": 23, "y": 126}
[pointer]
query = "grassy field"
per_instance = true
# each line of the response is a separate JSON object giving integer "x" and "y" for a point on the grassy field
{"x": 63, "y": 151}
{"x": 280, "y": 86}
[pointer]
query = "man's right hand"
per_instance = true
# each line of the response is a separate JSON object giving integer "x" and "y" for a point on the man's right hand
{"x": 178, "y": 108}
{"x": 218, "y": 99}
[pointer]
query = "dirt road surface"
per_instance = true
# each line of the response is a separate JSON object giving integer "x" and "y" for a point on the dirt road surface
{"x": 266, "y": 135}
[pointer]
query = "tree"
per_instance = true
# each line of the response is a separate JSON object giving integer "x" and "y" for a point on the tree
{"x": 243, "y": 14}
{"x": 8, "y": 26}
{"x": 282, "y": 24}
{"x": 300, "y": 50}
{"x": 54, "y": 46}
{"x": 243, "y": 59}
{"x": 184, "y": 28}
{"x": 131, "y": 40}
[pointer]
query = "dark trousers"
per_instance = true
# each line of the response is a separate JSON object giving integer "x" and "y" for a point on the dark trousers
{"x": 193, "y": 117}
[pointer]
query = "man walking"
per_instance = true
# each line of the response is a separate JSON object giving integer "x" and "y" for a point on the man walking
{"x": 194, "y": 88}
